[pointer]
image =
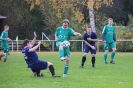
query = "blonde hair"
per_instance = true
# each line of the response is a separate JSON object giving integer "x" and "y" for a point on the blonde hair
{"x": 110, "y": 19}
{"x": 65, "y": 21}
{"x": 6, "y": 26}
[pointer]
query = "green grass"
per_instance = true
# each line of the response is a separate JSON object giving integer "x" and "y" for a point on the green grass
{"x": 15, "y": 74}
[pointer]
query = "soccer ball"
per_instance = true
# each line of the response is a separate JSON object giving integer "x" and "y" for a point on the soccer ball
{"x": 66, "y": 44}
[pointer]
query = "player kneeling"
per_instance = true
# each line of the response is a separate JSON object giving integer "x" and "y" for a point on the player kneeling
{"x": 32, "y": 59}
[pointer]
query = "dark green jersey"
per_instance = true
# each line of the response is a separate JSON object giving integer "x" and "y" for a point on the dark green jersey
{"x": 108, "y": 33}
{"x": 4, "y": 43}
{"x": 64, "y": 34}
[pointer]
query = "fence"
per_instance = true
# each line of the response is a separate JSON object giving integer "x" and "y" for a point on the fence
{"x": 17, "y": 45}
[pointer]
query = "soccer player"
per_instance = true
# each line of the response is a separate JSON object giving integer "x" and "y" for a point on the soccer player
{"x": 32, "y": 60}
{"x": 4, "y": 43}
{"x": 109, "y": 39}
{"x": 63, "y": 33}
{"x": 90, "y": 38}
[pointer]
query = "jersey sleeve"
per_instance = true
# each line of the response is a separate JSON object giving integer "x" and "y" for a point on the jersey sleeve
{"x": 2, "y": 35}
{"x": 95, "y": 36}
{"x": 114, "y": 35}
{"x": 72, "y": 31}
{"x": 103, "y": 33}
{"x": 85, "y": 38}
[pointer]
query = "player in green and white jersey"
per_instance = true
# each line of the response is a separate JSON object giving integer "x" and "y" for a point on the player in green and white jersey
{"x": 4, "y": 43}
{"x": 62, "y": 34}
{"x": 109, "y": 39}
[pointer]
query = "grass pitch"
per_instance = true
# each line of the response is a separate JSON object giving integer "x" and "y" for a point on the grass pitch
{"x": 15, "y": 74}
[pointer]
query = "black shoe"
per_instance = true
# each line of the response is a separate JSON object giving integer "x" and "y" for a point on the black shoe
{"x": 56, "y": 76}
{"x": 81, "y": 66}
{"x": 93, "y": 65}
{"x": 38, "y": 75}
{"x": 112, "y": 62}
{"x": 106, "y": 62}
{"x": 35, "y": 74}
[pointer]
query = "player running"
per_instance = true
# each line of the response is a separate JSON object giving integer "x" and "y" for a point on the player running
{"x": 63, "y": 33}
{"x": 90, "y": 38}
{"x": 32, "y": 59}
{"x": 4, "y": 43}
{"x": 109, "y": 39}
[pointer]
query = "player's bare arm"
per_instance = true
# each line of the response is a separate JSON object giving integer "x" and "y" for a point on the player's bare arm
{"x": 56, "y": 38}
{"x": 76, "y": 33}
{"x": 34, "y": 39}
{"x": 90, "y": 45}
{"x": 35, "y": 47}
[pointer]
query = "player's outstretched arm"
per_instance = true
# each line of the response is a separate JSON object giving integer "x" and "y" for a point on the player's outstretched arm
{"x": 35, "y": 47}
{"x": 34, "y": 39}
{"x": 76, "y": 33}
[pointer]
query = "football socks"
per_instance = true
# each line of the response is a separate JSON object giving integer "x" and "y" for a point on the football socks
{"x": 66, "y": 69}
{"x": 51, "y": 68}
{"x": 61, "y": 51}
{"x": 93, "y": 61}
{"x": 105, "y": 57}
{"x": 83, "y": 60}
{"x": 112, "y": 56}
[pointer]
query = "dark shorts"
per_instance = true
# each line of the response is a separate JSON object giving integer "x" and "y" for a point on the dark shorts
{"x": 41, "y": 65}
{"x": 87, "y": 49}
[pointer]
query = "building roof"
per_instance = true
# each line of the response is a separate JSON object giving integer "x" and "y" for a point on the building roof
{"x": 2, "y": 17}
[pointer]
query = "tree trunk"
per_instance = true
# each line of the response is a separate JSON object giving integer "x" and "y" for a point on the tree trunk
{"x": 92, "y": 21}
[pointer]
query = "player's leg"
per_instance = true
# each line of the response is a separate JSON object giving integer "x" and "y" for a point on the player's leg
{"x": 86, "y": 50}
{"x": 113, "y": 46}
{"x": 83, "y": 60}
{"x": 6, "y": 51}
{"x": 61, "y": 50}
{"x": 93, "y": 59}
{"x": 36, "y": 72}
{"x": 2, "y": 55}
{"x": 51, "y": 69}
{"x": 67, "y": 57}
{"x": 106, "y": 48}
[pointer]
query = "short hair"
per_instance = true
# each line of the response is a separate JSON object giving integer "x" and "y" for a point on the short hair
{"x": 6, "y": 26}
{"x": 110, "y": 19}
{"x": 89, "y": 27}
{"x": 65, "y": 21}
{"x": 25, "y": 43}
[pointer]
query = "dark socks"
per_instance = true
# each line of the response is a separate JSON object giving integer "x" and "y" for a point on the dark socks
{"x": 83, "y": 60}
{"x": 93, "y": 61}
{"x": 51, "y": 68}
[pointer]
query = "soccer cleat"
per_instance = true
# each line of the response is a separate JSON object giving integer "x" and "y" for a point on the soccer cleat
{"x": 38, "y": 75}
{"x": 64, "y": 75}
{"x": 93, "y": 65}
{"x": 106, "y": 62}
{"x": 112, "y": 62}
{"x": 63, "y": 58}
{"x": 35, "y": 74}
{"x": 81, "y": 66}
{"x": 55, "y": 76}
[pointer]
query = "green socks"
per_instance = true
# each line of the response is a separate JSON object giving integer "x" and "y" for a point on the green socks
{"x": 66, "y": 69}
{"x": 112, "y": 56}
{"x": 105, "y": 57}
{"x": 61, "y": 51}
